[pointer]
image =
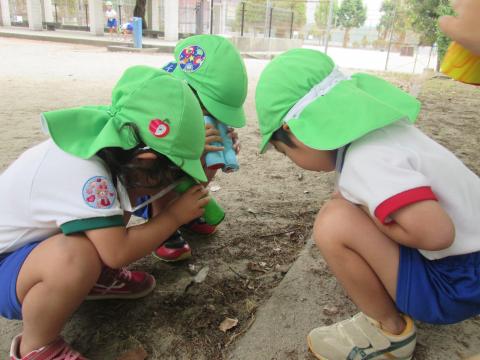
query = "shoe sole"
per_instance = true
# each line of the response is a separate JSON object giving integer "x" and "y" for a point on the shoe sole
{"x": 191, "y": 232}
{"x": 182, "y": 257}
{"x": 123, "y": 296}
{"x": 310, "y": 349}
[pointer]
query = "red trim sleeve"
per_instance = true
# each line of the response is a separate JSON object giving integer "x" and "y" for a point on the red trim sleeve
{"x": 403, "y": 199}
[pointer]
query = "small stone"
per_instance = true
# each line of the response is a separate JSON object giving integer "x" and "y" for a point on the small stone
{"x": 330, "y": 310}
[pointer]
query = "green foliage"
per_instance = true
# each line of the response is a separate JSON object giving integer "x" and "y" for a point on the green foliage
{"x": 394, "y": 12}
{"x": 321, "y": 13}
{"x": 352, "y": 14}
{"x": 424, "y": 16}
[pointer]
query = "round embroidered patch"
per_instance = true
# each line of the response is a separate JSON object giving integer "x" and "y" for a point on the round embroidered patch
{"x": 99, "y": 193}
{"x": 191, "y": 58}
{"x": 159, "y": 128}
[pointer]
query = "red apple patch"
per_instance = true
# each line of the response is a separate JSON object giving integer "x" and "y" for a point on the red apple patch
{"x": 159, "y": 128}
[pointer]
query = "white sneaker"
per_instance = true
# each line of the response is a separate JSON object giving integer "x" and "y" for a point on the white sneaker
{"x": 361, "y": 338}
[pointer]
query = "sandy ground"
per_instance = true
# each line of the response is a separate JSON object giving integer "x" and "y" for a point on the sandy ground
{"x": 270, "y": 206}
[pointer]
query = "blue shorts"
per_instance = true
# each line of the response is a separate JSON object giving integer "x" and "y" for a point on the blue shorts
{"x": 10, "y": 265}
{"x": 145, "y": 212}
{"x": 111, "y": 23}
{"x": 443, "y": 291}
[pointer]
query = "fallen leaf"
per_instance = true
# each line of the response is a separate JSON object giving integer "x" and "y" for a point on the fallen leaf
{"x": 201, "y": 275}
{"x": 138, "y": 353}
{"x": 227, "y": 324}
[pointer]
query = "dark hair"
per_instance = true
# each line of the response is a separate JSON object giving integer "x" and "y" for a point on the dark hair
{"x": 126, "y": 167}
{"x": 281, "y": 135}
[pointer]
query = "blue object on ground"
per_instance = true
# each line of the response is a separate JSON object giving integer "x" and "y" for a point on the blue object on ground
{"x": 137, "y": 32}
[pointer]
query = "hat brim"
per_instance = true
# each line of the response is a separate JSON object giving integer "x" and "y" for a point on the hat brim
{"x": 265, "y": 140}
{"x": 229, "y": 115}
{"x": 349, "y": 111}
{"x": 193, "y": 168}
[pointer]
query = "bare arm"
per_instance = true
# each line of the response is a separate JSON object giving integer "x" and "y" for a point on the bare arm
{"x": 422, "y": 225}
{"x": 119, "y": 246}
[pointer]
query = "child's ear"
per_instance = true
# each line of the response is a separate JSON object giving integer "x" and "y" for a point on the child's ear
{"x": 286, "y": 128}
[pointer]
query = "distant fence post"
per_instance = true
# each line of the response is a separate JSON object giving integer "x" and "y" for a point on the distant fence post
{"x": 415, "y": 62}
{"x": 291, "y": 24}
{"x": 392, "y": 30}
{"x": 329, "y": 24}
{"x": 243, "y": 18}
{"x": 211, "y": 17}
{"x": 429, "y": 57}
{"x": 270, "y": 22}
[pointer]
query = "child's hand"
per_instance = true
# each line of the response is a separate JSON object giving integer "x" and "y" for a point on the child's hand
{"x": 212, "y": 135}
{"x": 190, "y": 205}
{"x": 234, "y": 136}
{"x": 465, "y": 27}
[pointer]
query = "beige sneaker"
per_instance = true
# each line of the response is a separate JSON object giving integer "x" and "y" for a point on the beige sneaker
{"x": 360, "y": 338}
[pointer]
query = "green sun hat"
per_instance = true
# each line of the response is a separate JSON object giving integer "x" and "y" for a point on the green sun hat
{"x": 164, "y": 110}
{"x": 214, "y": 68}
{"x": 323, "y": 108}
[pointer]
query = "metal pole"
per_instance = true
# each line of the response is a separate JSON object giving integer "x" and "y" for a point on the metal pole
{"x": 329, "y": 24}
{"x": 56, "y": 13}
{"x": 86, "y": 14}
{"x": 266, "y": 18}
{"x": 391, "y": 35}
{"x": 211, "y": 17}
{"x": 199, "y": 17}
{"x": 291, "y": 24}
{"x": 415, "y": 62}
{"x": 120, "y": 15}
{"x": 270, "y": 22}
{"x": 429, "y": 57}
{"x": 243, "y": 19}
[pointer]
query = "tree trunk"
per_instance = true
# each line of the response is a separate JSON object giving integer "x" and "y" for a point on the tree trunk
{"x": 346, "y": 37}
{"x": 139, "y": 11}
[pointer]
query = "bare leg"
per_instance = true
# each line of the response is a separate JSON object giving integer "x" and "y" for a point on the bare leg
{"x": 52, "y": 283}
{"x": 362, "y": 258}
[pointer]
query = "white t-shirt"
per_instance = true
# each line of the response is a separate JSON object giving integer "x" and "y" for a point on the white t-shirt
{"x": 111, "y": 14}
{"x": 398, "y": 165}
{"x": 47, "y": 191}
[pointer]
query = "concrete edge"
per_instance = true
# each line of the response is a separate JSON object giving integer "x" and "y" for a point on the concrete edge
{"x": 79, "y": 41}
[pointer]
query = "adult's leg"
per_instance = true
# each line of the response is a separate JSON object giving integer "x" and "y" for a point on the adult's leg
{"x": 363, "y": 259}
{"x": 53, "y": 281}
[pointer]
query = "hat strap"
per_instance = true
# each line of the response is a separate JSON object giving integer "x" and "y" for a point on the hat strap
{"x": 318, "y": 90}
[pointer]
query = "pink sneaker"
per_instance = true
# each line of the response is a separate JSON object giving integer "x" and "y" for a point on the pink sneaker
{"x": 122, "y": 284}
{"x": 57, "y": 350}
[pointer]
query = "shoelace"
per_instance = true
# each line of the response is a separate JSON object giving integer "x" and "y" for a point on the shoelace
{"x": 120, "y": 275}
{"x": 124, "y": 274}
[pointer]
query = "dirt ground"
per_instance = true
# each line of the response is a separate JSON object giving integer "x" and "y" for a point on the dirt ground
{"x": 270, "y": 205}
